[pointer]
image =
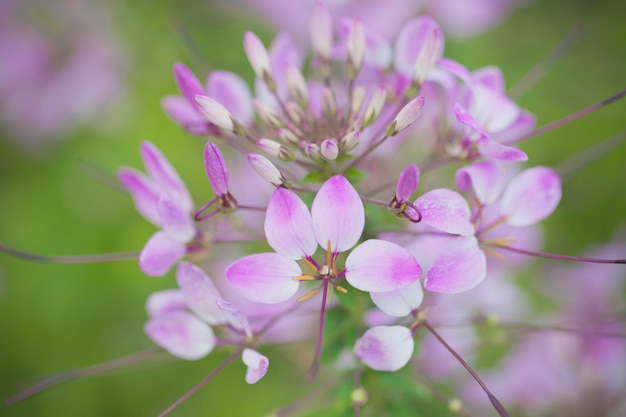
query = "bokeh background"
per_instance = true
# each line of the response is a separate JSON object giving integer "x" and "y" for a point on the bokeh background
{"x": 58, "y": 193}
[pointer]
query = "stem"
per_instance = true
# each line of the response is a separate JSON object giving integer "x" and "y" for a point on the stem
{"x": 494, "y": 401}
{"x": 573, "y": 116}
{"x": 312, "y": 374}
{"x": 70, "y": 259}
{"x": 82, "y": 372}
{"x": 590, "y": 155}
{"x": 204, "y": 381}
{"x": 557, "y": 256}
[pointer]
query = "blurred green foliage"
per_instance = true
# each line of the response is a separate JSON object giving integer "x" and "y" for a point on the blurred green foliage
{"x": 59, "y": 200}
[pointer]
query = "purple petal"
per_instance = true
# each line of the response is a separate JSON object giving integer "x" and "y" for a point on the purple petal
{"x": 531, "y": 196}
{"x": 175, "y": 220}
{"x": 160, "y": 254}
{"x": 407, "y": 183}
{"x": 467, "y": 119}
{"x": 181, "y": 334}
{"x": 385, "y": 348}
{"x": 216, "y": 169}
{"x": 493, "y": 149}
{"x": 490, "y": 77}
{"x": 284, "y": 54}
{"x": 338, "y": 215}
{"x": 494, "y": 111}
{"x": 187, "y": 83}
{"x": 445, "y": 210}
{"x": 143, "y": 191}
{"x": 412, "y": 39}
{"x": 185, "y": 115}
{"x": 401, "y": 302}
{"x": 165, "y": 301}
{"x": 460, "y": 267}
{"x": 264, "y": 277}
{"x": 288, "y": 225}
{"x": 232, "y": 91}
{"x": 257, "y": 365}
{"x": 165, "y": 176}
{"x": 487, "y": 178}
{"x": 381, "y": 266}
{"x": 200, "y": 293}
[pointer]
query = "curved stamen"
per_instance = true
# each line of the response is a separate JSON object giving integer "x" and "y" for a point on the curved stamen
{"x": 410, "y": 217}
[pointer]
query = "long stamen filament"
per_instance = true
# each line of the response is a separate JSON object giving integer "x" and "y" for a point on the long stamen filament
{"x": 556, "y": 256}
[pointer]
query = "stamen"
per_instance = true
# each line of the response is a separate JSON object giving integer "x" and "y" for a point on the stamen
{"x": 328, "y": 255}
{"x": 341, "y": 289}
{"x": 304, "y": 278}
{"x": 310, "y": 264}
{"x": 309, "y": 295}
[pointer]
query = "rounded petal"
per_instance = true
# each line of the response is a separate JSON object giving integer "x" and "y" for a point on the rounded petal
{"x": 264, "y": 277}
{"x": 187, "y": 83}
{"x": 531, "y": 196}
{"x": 175, "y": 220}
{"x": 216, "y": 169}
{"x": 288, "y": 225}
{"x": 338, "y": 214}
{"x": 143, "y": 191}
{"x": 200, "y": 293}
{"x": 159, "y": 254}
{"x": 165, "y": 301}
{"x": 445, "y": 210}
{"x": 407, "y": 183}
{"x": 164, "y": 175}
{"x": 401, "y": 302}
{"x": 257, "y": 365}
{"x": 496, "y": 150}
{"x": 181, "y": 334}
{"x": 385, "y": 348}
{"x": 487, "y": 179}
{"x": 459, "y": 267}
{"x": 381, "y": 266}
{"x": 232, "y": 91}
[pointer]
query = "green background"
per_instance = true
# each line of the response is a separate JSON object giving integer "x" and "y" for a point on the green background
{"x": 58, "y": 317}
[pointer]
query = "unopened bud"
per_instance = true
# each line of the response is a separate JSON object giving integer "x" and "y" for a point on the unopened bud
{"x": 358, "y": 397}
{"x": 406, "y": 116}
{"x": 215, "y": 113}
{"x": 329, "y": 149}
{"x": 288, "y": 136}
{"x": 297, "y": 85}
{"x": 294, "y": 112}
{"x": 329, "y": 103}
{"x": 275, "y": 149}
{"x": 268, "y": 114}
{"x": 259, "y": 59}
{"x": 427, "y": 56}
{"x": 321, "y": 31}
{"x": 266, "y": 169}
{"x": 312, "y": 150}
{"x": 349, "y": 141}
{"x": 356, "y": 100}
{"x": 356, "y": 49}
{"x": 374, "y": 107}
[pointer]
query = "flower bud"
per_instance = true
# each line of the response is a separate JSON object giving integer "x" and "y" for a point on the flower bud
{"x": 297, "y": 85}
{"x": 288, "y": 136}
{"x": 312, "y": 150}
{"x": 374, "y": 107}
{"x": 294, "y": 112}
{"x": 356, "y": 100}
{"x": 268, "y": 114}
{"x": 349, "y": 141}
{"x": 259, "y": 59}
{"x": 266, "y": 169}
{"x": 329, "y": 103}
{"x": 215, "y": 112}
{"x": 329, "y": 149}
{"x": 406, "y": 116}
{"x": 356, "y": 49}
{"x": 275, "y": 149}
{"x": 321, "y": 31}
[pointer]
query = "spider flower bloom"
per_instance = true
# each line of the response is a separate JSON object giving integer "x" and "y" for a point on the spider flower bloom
{"x": 335, "y": 222}
{"x": 162, "y": 198}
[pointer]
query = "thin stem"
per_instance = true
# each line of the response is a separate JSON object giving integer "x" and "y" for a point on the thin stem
{"x": 589, "y": 155}
{"x": 83, "y": 372}
{"x": 540, "y": 69}
{"x": 70, "y": 259}
{"x": 204, "y": 381}
{"x": 312, "y": 374}
{"x": 555, "y": 255}
{"x": 572, "y": 116}
{"x": 494, "y": 401}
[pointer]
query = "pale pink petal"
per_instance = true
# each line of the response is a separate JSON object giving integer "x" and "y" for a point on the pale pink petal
{"x": 200, "y": 293}
{"x": 187, "y": 83}
{"x": 525, "y": 122}
{"x": 459, "y": 267}
{"x": 288, "y": 225}
{"x": 181, "y": 334}
{"x": 410, "y": 41}
{"x": 381, "y": 266}
{"x": 407, "y": 183}
{"x": 165, "y": 176}
{"x": 487, "y": 179}
{"x": 493, "y": 110}
{"x": 493, "y": 149}
{"x": 235, "y": 316}
{"x": 257, "y": 365}
{"x": 232, "y": 91}
{"x": 490, "y": 77}
{"x": 264, "y": 277}
{"x": 464, "y": 116}
{"x": 216, "y": 169}
{"x": 174, "y": 220}
{"x": 160, "y": 253}
{"x": 185, "y": 115}
{"x": 401, "y": 302}
{"x": 338, "y": 214}
{"x": 143, "y": 191}
{"x": 284, "y": 54}
{"x": 165, "y": 301}
{"x": 385, "y": 348}
{"x": 445, "y": 210}
{"x": 531, "y": 196}
{"x": 257, "y": 54}
{"x": 215, "y": 112}
{"x": 457, "y": 69}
